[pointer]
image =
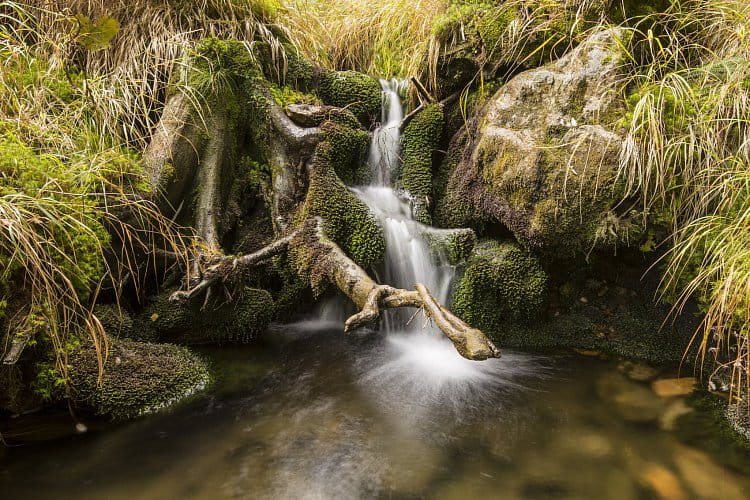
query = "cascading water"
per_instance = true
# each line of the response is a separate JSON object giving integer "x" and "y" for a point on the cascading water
{"x": 415, "y": 367}
{"x": 419, "y": 360}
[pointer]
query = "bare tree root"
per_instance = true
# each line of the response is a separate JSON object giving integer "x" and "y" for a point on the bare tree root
{"x": 329, "y": 261}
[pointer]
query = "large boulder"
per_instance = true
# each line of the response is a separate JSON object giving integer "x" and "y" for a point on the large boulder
{"x": 540, "y": 158}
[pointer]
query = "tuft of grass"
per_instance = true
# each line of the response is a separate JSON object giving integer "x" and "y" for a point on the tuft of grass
{"x": 380, "y": 38}
{"x": 73, "y": 218}
{"x": 687, "y": 158}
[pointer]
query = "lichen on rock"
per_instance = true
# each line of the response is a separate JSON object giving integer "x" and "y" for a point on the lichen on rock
{"x": 541, "y": 158}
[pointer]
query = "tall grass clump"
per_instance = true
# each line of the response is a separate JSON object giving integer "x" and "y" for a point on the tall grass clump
{"x": 687, "y": 156}
{"x": 381, "y": 38}
{"x": 129, "y": 55}
{"x": 75, "y": 215}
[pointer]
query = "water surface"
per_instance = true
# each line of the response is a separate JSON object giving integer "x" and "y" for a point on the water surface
{"x": 316, "y": 414}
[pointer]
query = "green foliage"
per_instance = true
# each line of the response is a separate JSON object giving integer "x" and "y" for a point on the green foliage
{"x": 97, "y": 35}
{"x": 354, "y": 91}
{"x": 502, "y": 284}
{"x": 420, "y": 140}
{"x": 139, "y": 377}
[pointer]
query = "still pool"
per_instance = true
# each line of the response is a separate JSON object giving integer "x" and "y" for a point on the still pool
{"x": 316, "y": 414}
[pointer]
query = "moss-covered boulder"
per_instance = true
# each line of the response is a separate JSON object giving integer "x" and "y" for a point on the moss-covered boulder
{"x": 541, "y": 159}
{"x": 354, "y": 91}
{"x": 420, "y": 140}
{"x": 502, "y": 284}
{"x": 220, "y": 321}
{"x": 115, "y": 319}
{"x": 139, "y": 377}
{"x": 451, "y": 245}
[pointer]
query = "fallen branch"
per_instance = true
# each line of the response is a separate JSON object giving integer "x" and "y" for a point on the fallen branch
{"x": 421, "y": 90}
{"x": 370, "y": 297}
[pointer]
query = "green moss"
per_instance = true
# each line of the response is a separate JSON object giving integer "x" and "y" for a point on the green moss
{"x": 116, "y": 321}
{"x": 349, "y": 143}
{"x": 502, "y": 283}
{"x": 354, "y": 91}
{"x": 221, "y": 64}
{"x": 220, "y": 321}
{"x": 57, "y": 195}
{"x": 455, "y": 245}
{"x": 420, "y": 140}
{"x": 139, "y": 377}
{"x": 286, "y": 95}
{"x": 286, "y": 67}
{"x": 348, "y": 220}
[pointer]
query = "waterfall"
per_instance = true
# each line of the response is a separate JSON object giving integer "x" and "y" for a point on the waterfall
{"x": 408, "y": 257}
{"x": 383, "y": 157}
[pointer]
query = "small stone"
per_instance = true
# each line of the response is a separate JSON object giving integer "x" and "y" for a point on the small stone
{"x": 584, "y": 300}
{"x": 664, "y": 484}
{"x": 668, "y": 387}
{"x": 587, "y": 352}
{"x": 154, "y": 317}
{"x": 81, "y": 428}
{"x": 118, "y": 360}
{"x": 640, "y": 372}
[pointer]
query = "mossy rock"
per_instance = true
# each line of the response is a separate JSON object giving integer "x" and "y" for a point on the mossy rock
{"x": 420, "y": 140}
{"x": 347, "y": 219}
{"x": 502, "y": 284}
{"x": 242, "y": 319}
{"x": 539, "y": 160}
{"x": 139, "y": 377}
{"x": 453, "y": 245}
{"x": 354, "y": 91}
{"x": 115, "y": 320}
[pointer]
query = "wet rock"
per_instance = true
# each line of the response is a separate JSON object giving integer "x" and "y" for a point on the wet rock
{"x": 307, "y": 115}
{"x": 543, "y": 159}
{"x": 662, "y": 482}
{"x": 632, "y": 401}
{"x": 638, "y": 371}
{"x": 669, "y": 387}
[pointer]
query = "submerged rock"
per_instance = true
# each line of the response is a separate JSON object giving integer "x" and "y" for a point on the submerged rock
{"x": 542, "y": 160}
{"x": 632, "y": 401}
{"x": 668, "y": 387}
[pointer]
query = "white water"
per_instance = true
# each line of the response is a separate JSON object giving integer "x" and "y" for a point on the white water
{"x": 419, "y": 356}
{"x": 417, "y": 368}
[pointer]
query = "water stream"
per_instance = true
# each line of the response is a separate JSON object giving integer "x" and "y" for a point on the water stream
{"x": 423, "y": 362}
{"x": 315, "y": 414}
